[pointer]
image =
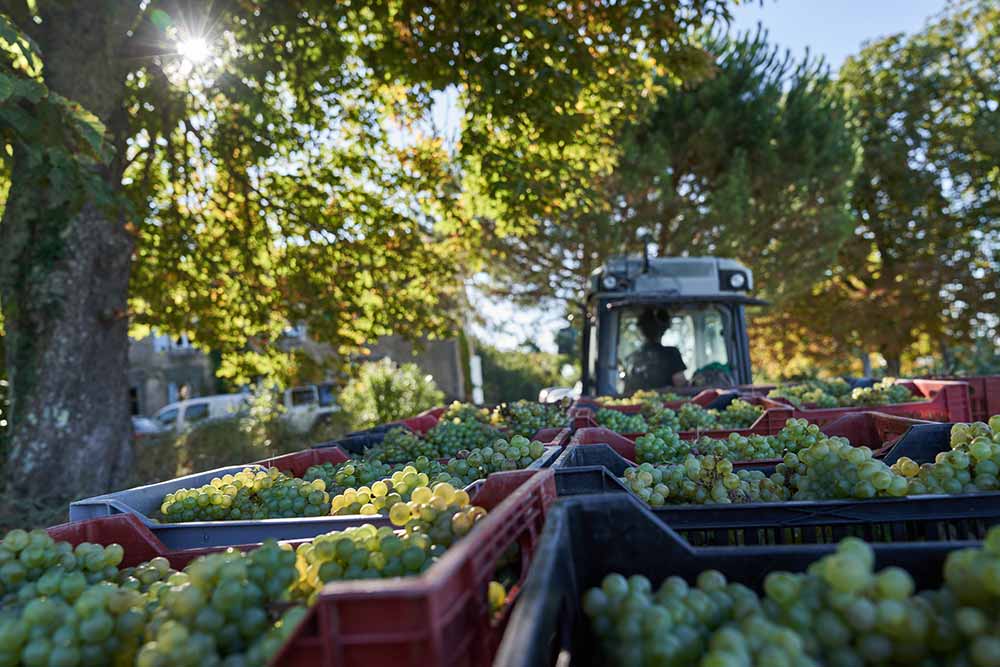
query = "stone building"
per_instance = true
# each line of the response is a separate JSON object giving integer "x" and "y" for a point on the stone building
{"x": 163, "y": 370}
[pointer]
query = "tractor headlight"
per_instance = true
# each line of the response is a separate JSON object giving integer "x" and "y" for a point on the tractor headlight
{"x": 737, "y": 281}
{"x": 609, "y": 282}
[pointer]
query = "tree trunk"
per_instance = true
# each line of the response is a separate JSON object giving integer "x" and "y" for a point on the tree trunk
{"x": 893, "y": 363}
{"x": 64, "y": 287}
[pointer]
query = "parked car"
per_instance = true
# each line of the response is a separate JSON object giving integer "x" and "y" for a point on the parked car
{"x": 182, "y": 415}
{"x": 144, "y": 428}
{"x": 308, "y": 406}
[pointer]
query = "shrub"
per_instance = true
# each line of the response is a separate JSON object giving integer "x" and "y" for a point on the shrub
{"x": 384, "y": 392}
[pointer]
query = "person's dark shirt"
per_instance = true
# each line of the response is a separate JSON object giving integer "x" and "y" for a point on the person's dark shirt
{"x": 653, "y": 366}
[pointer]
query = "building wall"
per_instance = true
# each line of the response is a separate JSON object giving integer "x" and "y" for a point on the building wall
{"x": 442, "y": 359}
{"x": 161, "y": 370}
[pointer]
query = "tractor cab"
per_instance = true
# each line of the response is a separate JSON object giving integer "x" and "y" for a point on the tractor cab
{"x": 668, "y": 324}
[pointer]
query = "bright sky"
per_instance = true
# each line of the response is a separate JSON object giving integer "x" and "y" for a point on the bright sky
{"x": 834, "y": 29}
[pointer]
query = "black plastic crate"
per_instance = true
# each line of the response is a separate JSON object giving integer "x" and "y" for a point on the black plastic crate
{"x": 355, "y": 444}
{"x": 921, "y": 443}
{"x": 587, "y": 537}
{"x": 916, "y": 518}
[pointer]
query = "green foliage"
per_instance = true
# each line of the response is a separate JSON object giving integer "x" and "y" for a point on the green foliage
{"x": 743, "y": 164}
{"x": 922, "y": 259}
{"x": 511, "y": 375}
{"x": 383, "y": 392}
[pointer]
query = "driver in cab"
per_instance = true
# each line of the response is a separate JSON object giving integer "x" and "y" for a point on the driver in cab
{"x": 654, "y": 365}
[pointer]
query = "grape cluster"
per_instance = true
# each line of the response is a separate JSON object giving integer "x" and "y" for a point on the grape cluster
{"x": 145, "y": 576}
{"x": 661, "y": 446}
{"x": 452, "y": 436}
{"x": 526, "y": 418}
{"x": 838, "y": 393}
{"x": 401, "y": 445}
{"x": 885, "y": 392}
{"x": 714, "y": 623}
{"x": 381, "y": 495}
{"x": 517, "y": 453}
{"x": 249, "y": 494}
{"x": 693, "y": 417}
{"x": 840, "y": 612}
{"x": 815, "y": 393}
{"x": 62, "y": 605}
{"x": 646, "y": 397}
{"x": 833, "y": 468}
{"x": 665, "y": 446}
{"x": 72, "y": 606}
{"x": 349, "y": 474}
{"x": 738, "y": 414}
{"x": 218, "y": 606}
{"x": 432, "y": 520}
{"x": 700, "y": 480}
{"x": 971, "y": 466}
{"x": 619, "y": 422}
{"x": 466, "y": 412}
{"x": 661, "y": 418}
{"x": 66, "y": 606}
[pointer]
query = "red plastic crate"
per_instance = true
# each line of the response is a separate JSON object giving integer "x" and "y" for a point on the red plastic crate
{"x": 984, "y": 393}
{"x": 942, "y": 401}
{"x": 876, "y": 430}
{"x": 774, "y": 417}
{"x": 441, "y": 617}
{"x": 425, "y": 421}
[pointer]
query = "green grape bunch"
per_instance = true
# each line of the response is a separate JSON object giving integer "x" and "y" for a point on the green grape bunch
{"x": 884, "y": 392}
{"x": 249, "y": 494}
{"x": 693, "y": 417}
{"x": 700, "y": 480}
{"x": 661, "y": 446}
{"x": 832, "y": 468}
{"x": 714, "y": 623}
{"x": 451, "y": 436}
{"x": 526, "y": 418}
{"x": 466, "y": 412}
{"x": 840, "y": 612}
{"x": 401, "y": 445}
{"x": 619, "y": 422}
{"x": 501, "y": 455}
{"x": 838, "y": 393}
{"x": 217, "y": 611}
{"x": 666, "y": 446}
{"x": 426, "y": 524}
{"x": 738, "y": 414}
{"x": 971, "y": 466}
{"x": 349, "y": 474}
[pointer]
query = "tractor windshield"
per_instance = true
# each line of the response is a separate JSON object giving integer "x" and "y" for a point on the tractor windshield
{"x": 661, "y": 347}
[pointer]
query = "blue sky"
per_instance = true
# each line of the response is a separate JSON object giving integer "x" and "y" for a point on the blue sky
{"x": 834, "y": 29}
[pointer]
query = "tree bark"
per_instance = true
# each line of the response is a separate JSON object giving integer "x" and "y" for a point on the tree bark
{"x": 64, "y": 286}
{"x": 893, "y": 363}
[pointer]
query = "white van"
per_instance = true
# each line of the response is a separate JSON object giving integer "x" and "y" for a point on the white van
{"x": 307, "y": 406}
{"x": 182, "y": 415}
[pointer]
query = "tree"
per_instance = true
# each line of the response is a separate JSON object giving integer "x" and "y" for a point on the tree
{"x": 384, "y": 392}
{"x": 922, "y": 259}
{"x": 246, "y": 165}
{"x": 511, "y": 375}
{"x": 744, "y": 164}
